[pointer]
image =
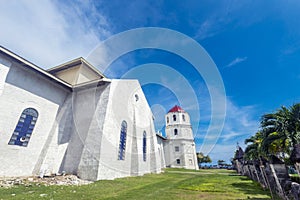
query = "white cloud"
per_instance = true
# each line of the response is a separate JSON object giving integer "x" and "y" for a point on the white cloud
{"x": 217, "y": 21}
{"x": 48, "y": 33}
{"x": 230, "y": 15}
{"x": 241, "y": 122}
{"x": 207, "y": 29}
{"x": 236, "y": 61}
{"x": 230, "y": 135}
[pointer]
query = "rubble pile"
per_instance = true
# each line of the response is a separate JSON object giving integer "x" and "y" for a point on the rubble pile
{"x": 8, "y": 182}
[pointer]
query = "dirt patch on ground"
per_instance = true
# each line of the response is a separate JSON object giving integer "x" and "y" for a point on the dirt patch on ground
{"x": 7, "y": 182}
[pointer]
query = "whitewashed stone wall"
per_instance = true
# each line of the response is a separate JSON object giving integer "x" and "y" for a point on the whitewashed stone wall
{"x": 160, "y": 143}
{"x": 90, "y": 157}
{"x": 55, "y": 147}
{"x": 23, "y": 89}
{"x": 183, "y": 141}
{"x": 127, "y": 102}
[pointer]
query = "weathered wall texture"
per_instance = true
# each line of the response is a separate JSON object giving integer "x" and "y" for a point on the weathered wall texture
{"x": 127, "y": 102}
{"x": 23, "y": 89}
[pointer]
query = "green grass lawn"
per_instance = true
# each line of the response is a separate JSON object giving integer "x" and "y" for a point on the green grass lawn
{"x": 172, "y": 184}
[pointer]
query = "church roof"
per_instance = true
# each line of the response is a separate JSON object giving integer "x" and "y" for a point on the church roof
{"x": 76, "y": 71}
{"x": 25, "y": 63}
{"x": 176, "y": 109}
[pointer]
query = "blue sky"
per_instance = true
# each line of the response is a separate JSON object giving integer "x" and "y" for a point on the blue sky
{"x": 254, "y": 44}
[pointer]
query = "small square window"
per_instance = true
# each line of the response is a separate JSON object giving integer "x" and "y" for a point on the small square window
{"x": 177, "y": 148}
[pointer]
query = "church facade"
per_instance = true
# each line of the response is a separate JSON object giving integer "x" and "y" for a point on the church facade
{"x": 72, "y": 119}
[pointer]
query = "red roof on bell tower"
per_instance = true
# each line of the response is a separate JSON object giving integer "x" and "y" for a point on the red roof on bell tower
{"x": 176, "y": 109}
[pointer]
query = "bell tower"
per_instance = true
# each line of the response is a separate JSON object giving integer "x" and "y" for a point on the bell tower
{"x": 180, "y": 148}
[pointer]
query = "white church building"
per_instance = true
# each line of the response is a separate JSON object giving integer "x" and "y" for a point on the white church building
{"x": 72, "y": 119}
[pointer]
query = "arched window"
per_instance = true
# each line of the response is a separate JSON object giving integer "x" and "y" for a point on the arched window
{"x": 174, "y": 118}
{"x": 136, "y": 97}
{"x": 167, "y": 119}
{"x": 144, "y": 146}
{"x": 175, "y": 131}
{"x": 122, "y": 145}
{"x": 183, "y": 117}
{"x": 24, "y": 128}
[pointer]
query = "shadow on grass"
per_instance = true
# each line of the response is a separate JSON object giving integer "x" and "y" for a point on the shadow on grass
{"x": 250, "y": 187}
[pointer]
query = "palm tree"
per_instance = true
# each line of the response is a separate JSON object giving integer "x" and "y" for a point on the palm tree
{"x": 279, "y": 136}
{"x": 276, "y": 136}
{"x": 253, "y": 150}
{"x": 281, "y": 131}
{"x": 294, "y": 125}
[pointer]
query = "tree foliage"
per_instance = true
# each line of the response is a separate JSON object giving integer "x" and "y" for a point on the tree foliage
{"x": 203, "y": 159}
{"x": 221, "y": 162}
{"x": 279, "y": 133}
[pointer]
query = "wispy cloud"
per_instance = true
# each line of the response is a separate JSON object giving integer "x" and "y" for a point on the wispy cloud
{"x": 230, "y": 15}
{"x": 241, "y": 122}
{"x": 48, "y": 32}
{"x": 216, "y": 22}
{"x": 236, "y": 61}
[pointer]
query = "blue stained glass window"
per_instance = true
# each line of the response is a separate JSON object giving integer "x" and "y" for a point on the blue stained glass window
{"x": 144, "y": 146}
{"x": 122, "y": 145}
{"x": 24, "y": 128}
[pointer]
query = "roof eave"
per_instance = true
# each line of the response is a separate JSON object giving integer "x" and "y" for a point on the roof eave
{"x": 33, "y": 67}
{"x": 74, "y": 62}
